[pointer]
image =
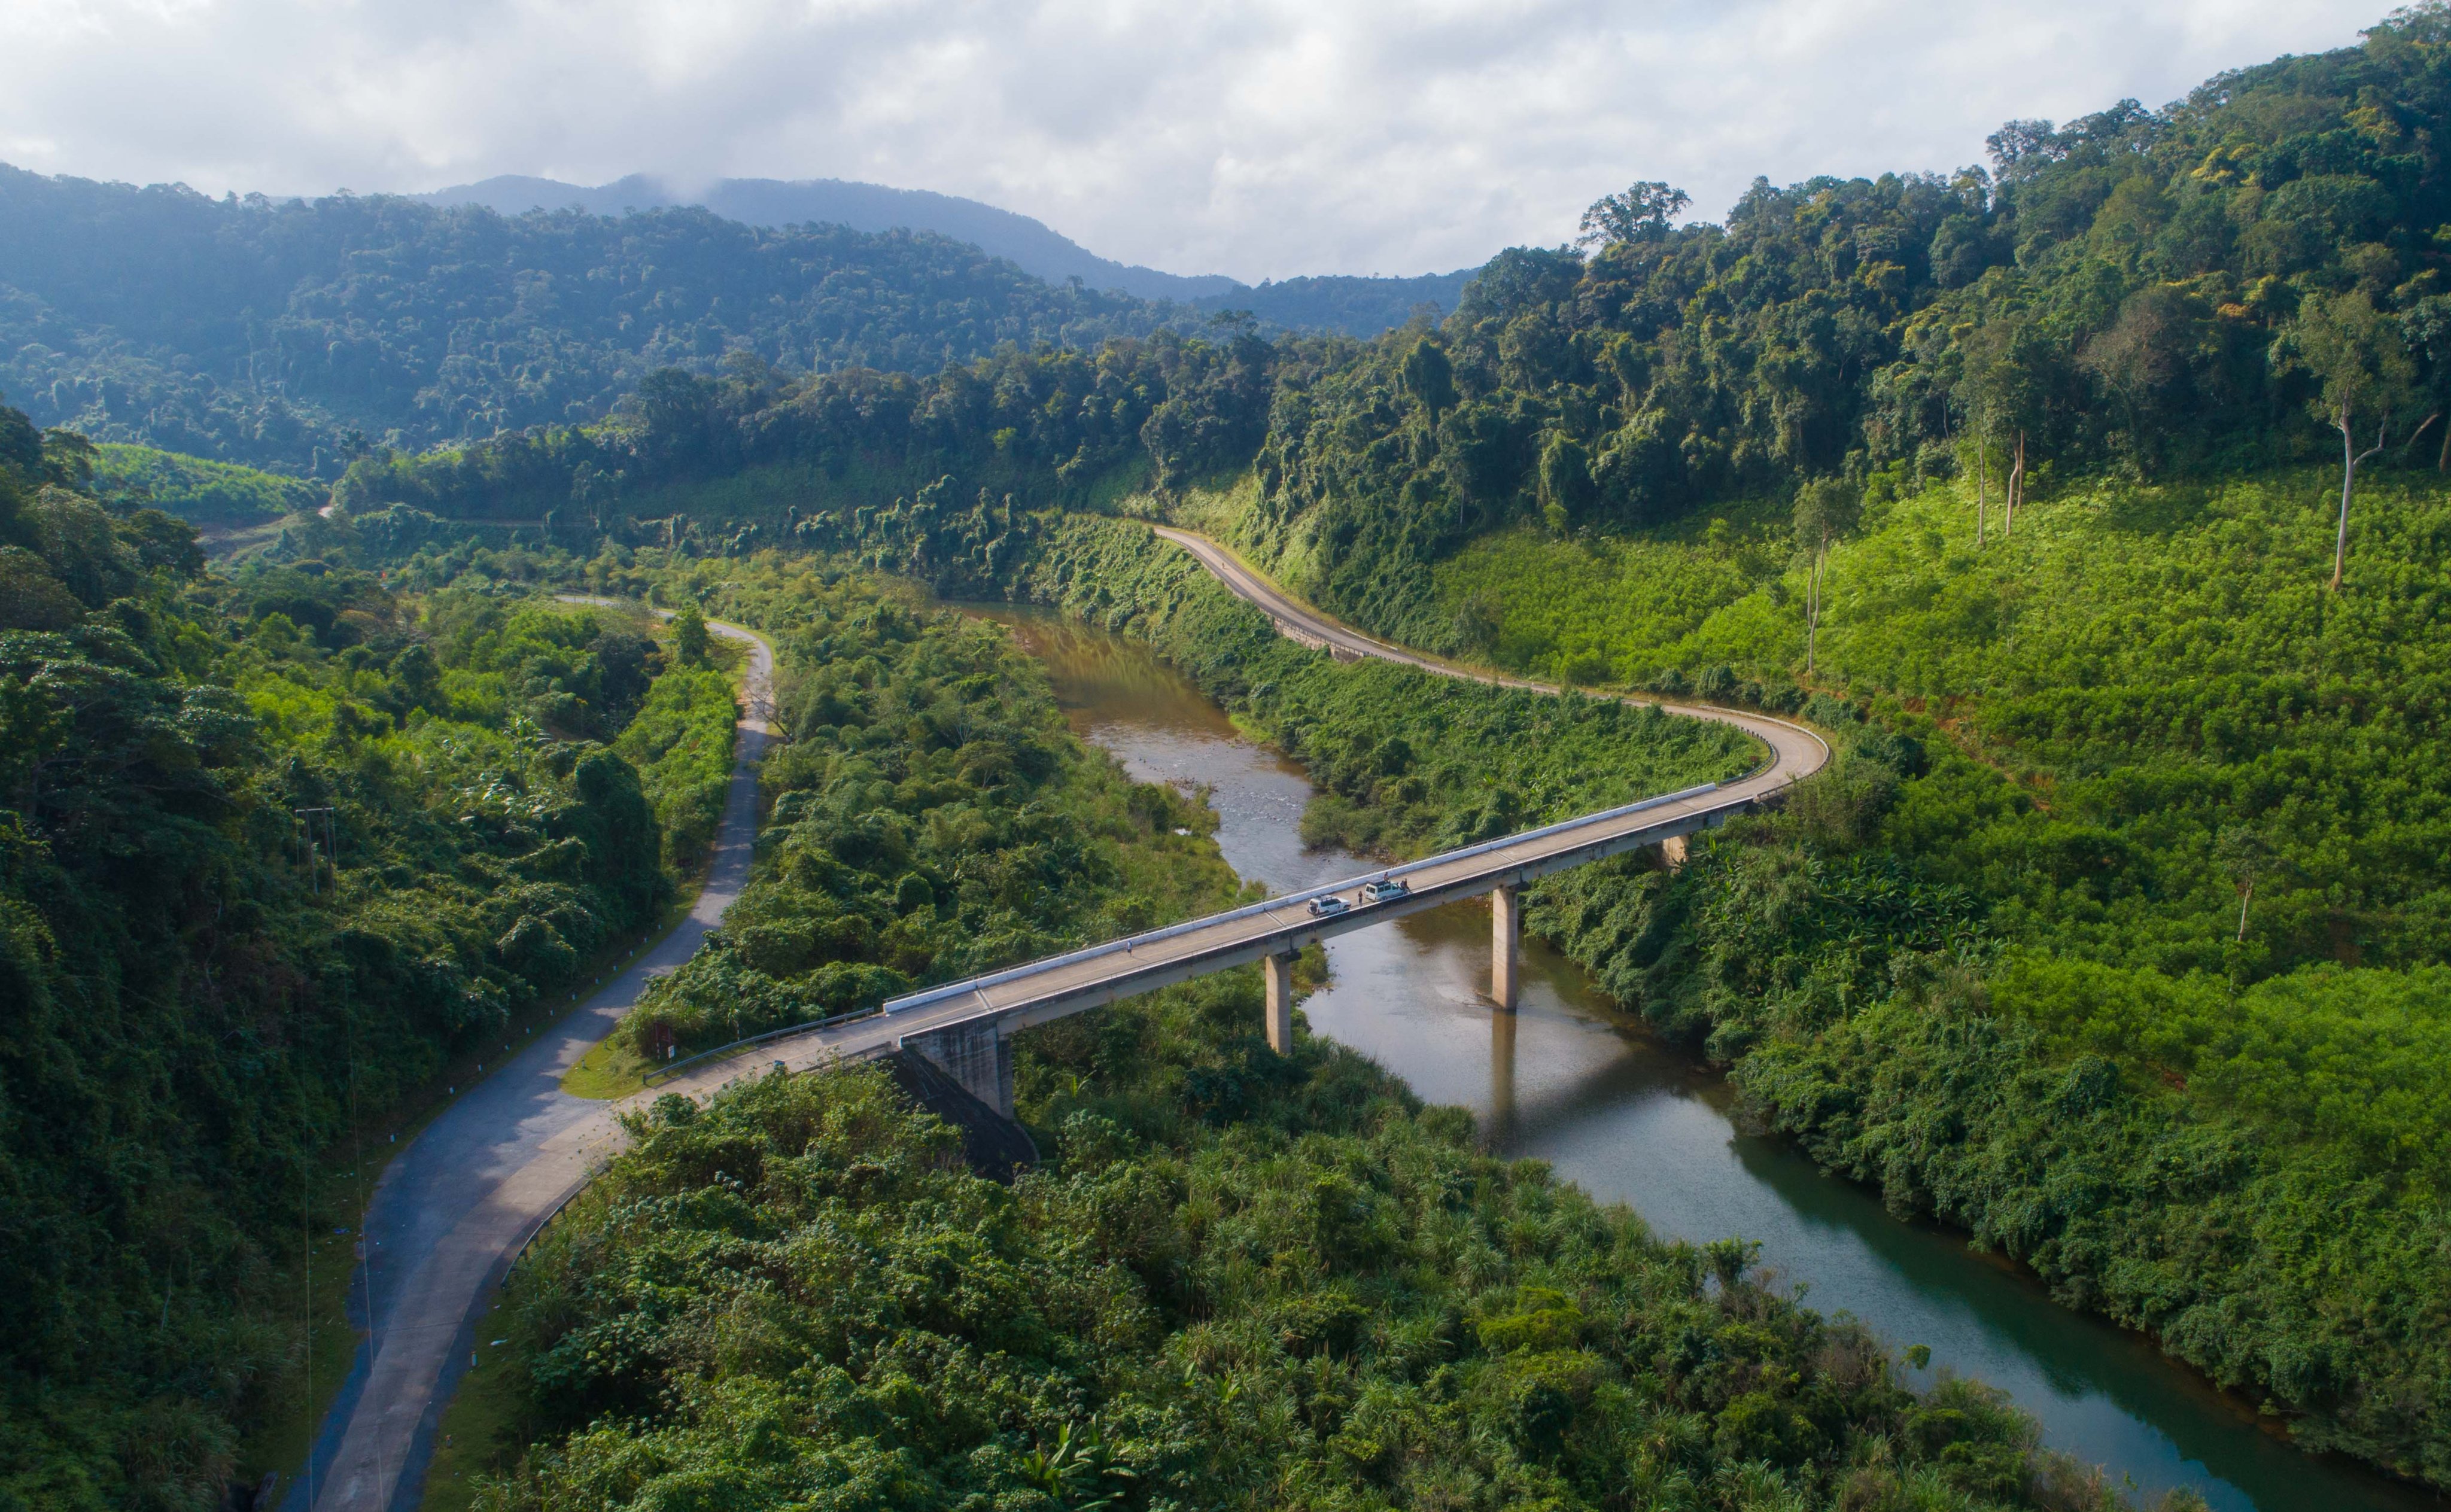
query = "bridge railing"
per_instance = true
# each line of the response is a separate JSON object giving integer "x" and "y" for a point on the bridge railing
{"x": 666, "y": 1072}
{"x": 1130, "y": 943}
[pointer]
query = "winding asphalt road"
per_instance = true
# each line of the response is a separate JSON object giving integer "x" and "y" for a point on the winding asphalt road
{"x": 462, "y": 1200}
{"x": 1796, "y": 753}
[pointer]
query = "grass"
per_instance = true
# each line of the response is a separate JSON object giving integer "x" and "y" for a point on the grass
{"x": 605, "y": 1072}
{"x": 225, "y": 543}
{"x": 201, "y": 489}
{"x": 484, "y": 1429}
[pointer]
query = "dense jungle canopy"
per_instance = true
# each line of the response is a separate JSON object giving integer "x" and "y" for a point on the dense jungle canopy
{"x": 2114, "y": 937}
{"x": 300, "y": 334}
{"x": 277, "y": 849}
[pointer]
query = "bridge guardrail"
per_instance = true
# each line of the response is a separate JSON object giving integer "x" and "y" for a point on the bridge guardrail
{"x": 931, "y": 997}
{"x": 1131, "y": 942}
{"x": 664, "y": 1073}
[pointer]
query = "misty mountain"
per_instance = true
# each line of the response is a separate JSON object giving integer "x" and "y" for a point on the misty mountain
{"x": 1362, "y": 307}
{"x": 839, "y": 201}
{"x": 294, "y": 334}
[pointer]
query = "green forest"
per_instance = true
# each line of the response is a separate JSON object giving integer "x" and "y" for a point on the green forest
{"x": 200, "y": 490}
{"x": 275, "y": 849}
{"x": 300, "y": 335}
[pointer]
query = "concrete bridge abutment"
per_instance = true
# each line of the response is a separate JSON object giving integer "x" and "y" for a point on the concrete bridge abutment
{"x": 977, "y": 1054}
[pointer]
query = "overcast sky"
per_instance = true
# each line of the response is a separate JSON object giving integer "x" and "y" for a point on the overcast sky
{"x": 1260, "y": 139}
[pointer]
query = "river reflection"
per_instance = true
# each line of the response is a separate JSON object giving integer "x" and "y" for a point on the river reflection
{"x": 1570, "y": 1080}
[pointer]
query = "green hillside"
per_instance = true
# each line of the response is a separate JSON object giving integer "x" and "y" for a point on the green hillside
{"x": 277, "y": 851}
{"x": 2186, "y": 1053}
{"x": 298, "y": 335}
{"x": 2093, "y": 502}
{"x": 197, "y": 489}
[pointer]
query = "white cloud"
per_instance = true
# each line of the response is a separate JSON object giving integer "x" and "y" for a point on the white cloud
{"x": 1266, "y": 138}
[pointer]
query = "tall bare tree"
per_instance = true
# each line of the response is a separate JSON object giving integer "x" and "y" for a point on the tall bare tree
{"x": 1825, "y": 508}
{"x": 2012, "y": 368}
{"x": 2364, "y": 376}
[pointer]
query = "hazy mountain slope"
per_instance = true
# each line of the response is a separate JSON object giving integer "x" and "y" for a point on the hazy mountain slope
{"x": 1357, "y": 306}
{"x": 1364, "y": 306}
{"x": 295, "y": 334}
{"x": 840, "y": 201}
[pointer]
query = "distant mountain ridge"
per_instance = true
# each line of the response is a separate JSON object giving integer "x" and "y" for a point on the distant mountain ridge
{"x": 293, "y": 335}
{"x": 862, "y": 206}
{"x": 1335, "y": 302}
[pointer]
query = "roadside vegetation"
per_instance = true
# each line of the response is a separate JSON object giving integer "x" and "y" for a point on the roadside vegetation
{"x": 930, "y": 818}
{"x": 1406, "y": 761}
{"x": 274, "y": 849}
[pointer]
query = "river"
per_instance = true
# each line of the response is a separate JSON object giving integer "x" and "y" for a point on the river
{"x": 1570, "y": 1080}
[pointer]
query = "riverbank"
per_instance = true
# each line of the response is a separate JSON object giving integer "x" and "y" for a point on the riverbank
{"x": 1573, "y": 1080}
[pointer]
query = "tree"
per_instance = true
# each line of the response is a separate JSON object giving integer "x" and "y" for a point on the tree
{"x": 1824, "y": 507}
{"x": 2011, "y": 370}
{"x": 1565, "y": 480}
{"x": 1429, "y": 377}
{"x": 2362, "y": 371}
{"x": 2247, "y": 855}
{"x": 1639, "y": 214}
{"x": 688, "y": 634}
{"x": 2426, "y": 326}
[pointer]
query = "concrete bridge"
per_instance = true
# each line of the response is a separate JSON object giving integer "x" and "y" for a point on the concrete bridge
{"x": 966, "y": 1027}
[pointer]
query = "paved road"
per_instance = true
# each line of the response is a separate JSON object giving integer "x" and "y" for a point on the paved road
{"x": 1797, "y": 751}
{"x": 463, "y": 1199}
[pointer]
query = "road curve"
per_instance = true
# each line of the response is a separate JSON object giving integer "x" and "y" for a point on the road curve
{"x": 458, "y": 1205}
{"x": 1796, "y": 753}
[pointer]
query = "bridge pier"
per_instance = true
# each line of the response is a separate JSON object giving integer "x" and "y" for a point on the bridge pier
{"x": 1281, "y": 1003}
{"x": 975, "y": 1055}
{"x": 1505, "y": 945}
{"x": 1671, "y": 851}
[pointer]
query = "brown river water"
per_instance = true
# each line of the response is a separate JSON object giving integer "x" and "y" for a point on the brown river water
{"x": 1571, "y": 1080}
